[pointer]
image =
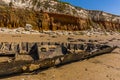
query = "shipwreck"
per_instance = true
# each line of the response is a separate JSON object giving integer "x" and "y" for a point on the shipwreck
{"x": 28, "y": 57}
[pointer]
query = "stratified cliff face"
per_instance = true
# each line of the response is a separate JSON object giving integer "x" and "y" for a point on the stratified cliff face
{"x": 55, "y": 15}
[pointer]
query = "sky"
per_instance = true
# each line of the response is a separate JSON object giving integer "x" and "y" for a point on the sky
{"x": 110, "y": 6}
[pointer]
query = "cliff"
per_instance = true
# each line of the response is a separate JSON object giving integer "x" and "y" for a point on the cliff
{"x": 54, "y": 15}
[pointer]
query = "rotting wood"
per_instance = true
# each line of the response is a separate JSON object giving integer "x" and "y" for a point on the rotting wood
{"x": 21, "y": 66}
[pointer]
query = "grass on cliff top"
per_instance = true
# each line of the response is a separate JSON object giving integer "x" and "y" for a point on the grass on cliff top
{"x": 62, "y": 2}
{"x": 77, "y": 7}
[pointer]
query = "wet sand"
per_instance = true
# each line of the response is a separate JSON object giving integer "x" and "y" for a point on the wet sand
{"x": 47, "y": 38}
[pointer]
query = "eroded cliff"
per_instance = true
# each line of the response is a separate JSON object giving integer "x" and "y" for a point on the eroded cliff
{"x": 54, "y": 15}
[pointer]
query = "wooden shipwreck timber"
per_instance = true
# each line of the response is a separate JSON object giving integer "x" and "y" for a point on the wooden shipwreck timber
{"x": 29, "y": 57}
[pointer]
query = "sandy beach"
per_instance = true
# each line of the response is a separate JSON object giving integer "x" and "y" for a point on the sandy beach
{"x": 48, "y": 38}
{"x": 104, "y": 67}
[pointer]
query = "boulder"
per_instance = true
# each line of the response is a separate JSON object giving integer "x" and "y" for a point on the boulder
{"x": 28, "y": 27}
